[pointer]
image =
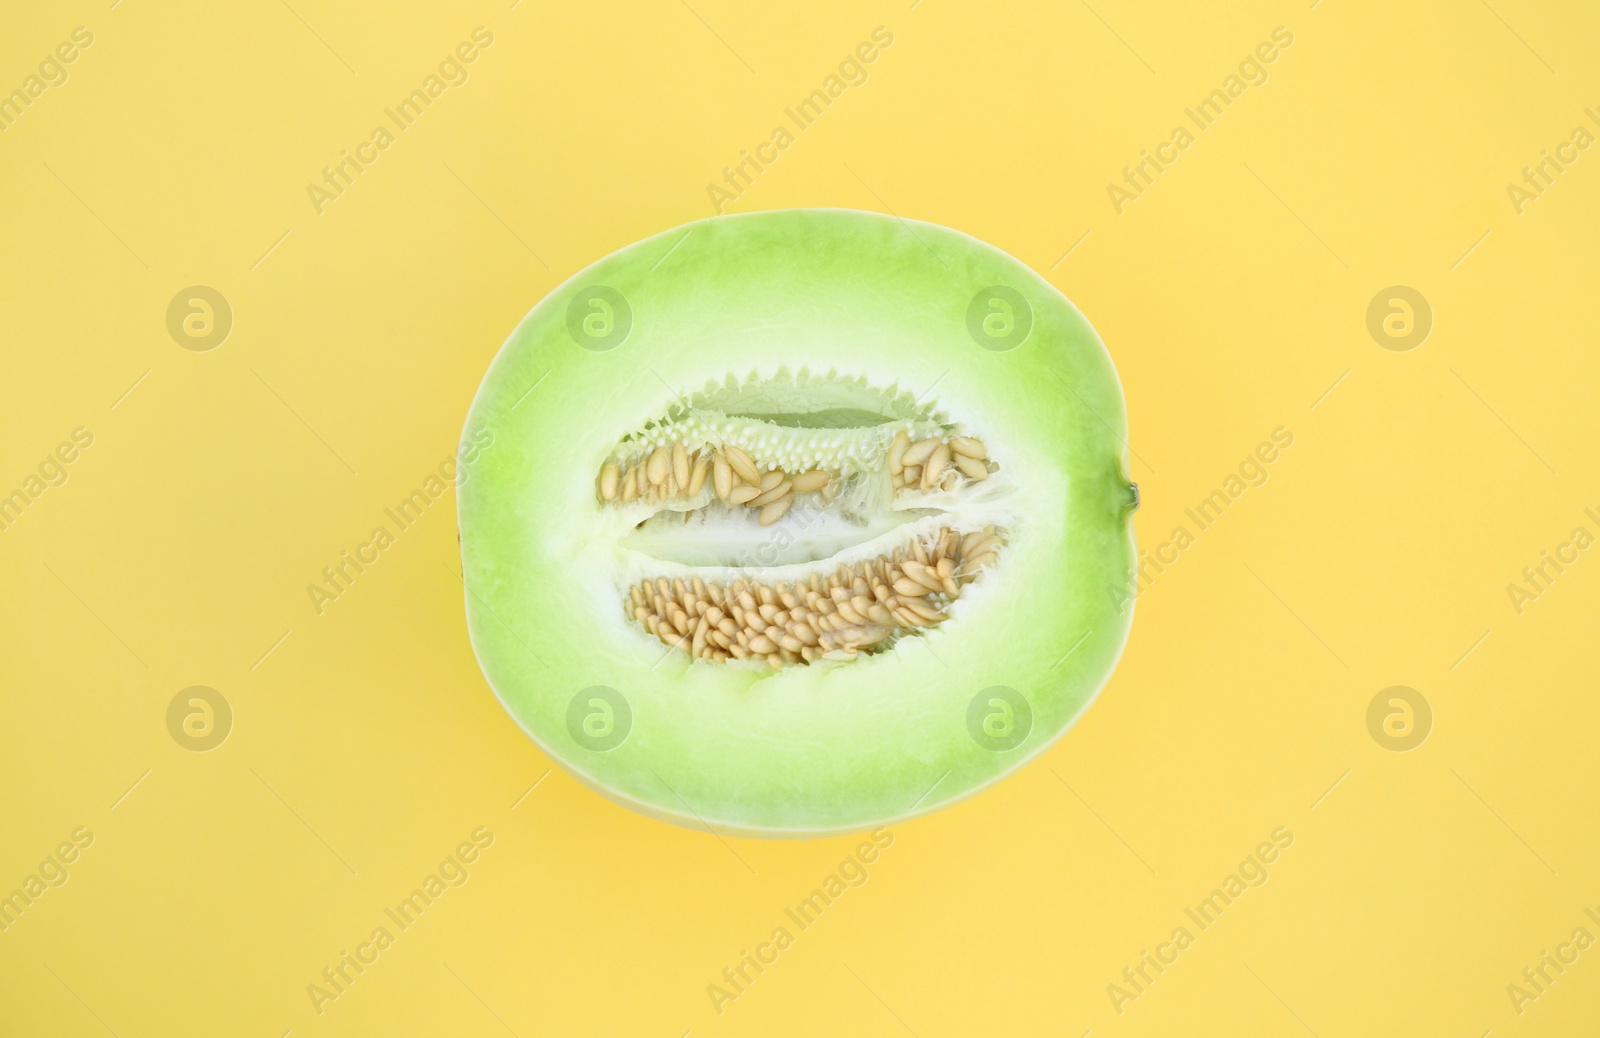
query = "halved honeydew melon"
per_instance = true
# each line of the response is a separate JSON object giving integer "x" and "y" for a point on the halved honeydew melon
{"x": 798, "y": 522}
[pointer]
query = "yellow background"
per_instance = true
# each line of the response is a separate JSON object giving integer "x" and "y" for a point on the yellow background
{"x": 1233, "y": 294}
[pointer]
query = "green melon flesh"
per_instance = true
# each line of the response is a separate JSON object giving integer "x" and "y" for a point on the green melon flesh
{"x": 812, "y": 332}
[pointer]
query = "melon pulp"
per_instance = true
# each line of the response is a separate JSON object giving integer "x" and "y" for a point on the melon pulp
{"x": 798, "y": 522}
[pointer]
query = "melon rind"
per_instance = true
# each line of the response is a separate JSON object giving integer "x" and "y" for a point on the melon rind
{"x": 835, "y": 746}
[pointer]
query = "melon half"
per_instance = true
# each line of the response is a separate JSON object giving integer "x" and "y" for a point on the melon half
{"x": 798, "y": 522}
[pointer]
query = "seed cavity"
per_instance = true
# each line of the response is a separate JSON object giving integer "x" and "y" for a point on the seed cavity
{"x": 727, "y": 454}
